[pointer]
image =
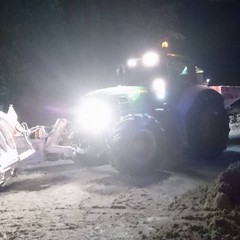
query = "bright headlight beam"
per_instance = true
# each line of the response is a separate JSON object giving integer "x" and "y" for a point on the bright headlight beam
{"x": 132, "y": 62}
{"x": 94, "y": 116}
{"x": 158, "y": 87}
{"x": 150, "y": 59}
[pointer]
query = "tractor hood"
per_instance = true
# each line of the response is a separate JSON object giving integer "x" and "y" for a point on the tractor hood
{"x": 118, "y": 91}
{"x": 100, "y": 109}
{"x": 130, "y": 96}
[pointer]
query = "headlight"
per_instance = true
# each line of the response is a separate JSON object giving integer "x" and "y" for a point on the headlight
{"x": 94, "y": 116}
{"x": 158, "y": 87}
{"x": 132, "y": 62}
{"x": 150, "y": 59}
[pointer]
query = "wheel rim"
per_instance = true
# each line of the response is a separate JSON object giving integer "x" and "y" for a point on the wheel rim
{"x": 143, "y": 146}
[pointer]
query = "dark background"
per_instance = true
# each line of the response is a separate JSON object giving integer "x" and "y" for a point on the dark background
{"x": 53, "y": 51}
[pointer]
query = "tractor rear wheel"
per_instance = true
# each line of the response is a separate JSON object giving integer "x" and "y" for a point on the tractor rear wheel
{"x": 207, "y": 125}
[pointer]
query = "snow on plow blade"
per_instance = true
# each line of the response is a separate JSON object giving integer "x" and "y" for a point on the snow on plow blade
{"x": 18, "y": 142}
{"x": 14, "y": 144}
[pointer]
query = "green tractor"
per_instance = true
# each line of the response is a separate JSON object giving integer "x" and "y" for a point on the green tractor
{"x": 162, "y": 106}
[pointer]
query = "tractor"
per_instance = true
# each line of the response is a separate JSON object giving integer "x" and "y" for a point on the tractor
{"x": 162, "y": 105}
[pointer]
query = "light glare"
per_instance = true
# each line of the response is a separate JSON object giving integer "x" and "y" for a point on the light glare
{"x": 94, "y": 116}
{"x": 165, "y": 44}
{"x": 150, "y": 59}
{"x": 159, "y": 88}
{"x": 132, "y": 62}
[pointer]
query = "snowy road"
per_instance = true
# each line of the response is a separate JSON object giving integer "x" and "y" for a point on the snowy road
{"x": 53, "y": 200}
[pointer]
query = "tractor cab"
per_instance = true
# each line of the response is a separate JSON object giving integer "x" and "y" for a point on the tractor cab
{"x": 164, "y": 74}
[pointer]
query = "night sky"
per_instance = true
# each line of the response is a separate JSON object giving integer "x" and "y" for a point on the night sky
{"x": 53, "y": 51}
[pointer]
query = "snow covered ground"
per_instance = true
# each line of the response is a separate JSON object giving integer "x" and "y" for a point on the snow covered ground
{"x": 60, "y": 200}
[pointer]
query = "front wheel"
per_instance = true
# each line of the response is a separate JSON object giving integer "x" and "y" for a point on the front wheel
{"x": 136, "y": 144}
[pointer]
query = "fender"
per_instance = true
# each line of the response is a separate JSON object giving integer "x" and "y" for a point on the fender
{"x": 189, "y": 96}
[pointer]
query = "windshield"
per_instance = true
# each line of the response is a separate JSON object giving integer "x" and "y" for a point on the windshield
{"x": 144, "y": 76}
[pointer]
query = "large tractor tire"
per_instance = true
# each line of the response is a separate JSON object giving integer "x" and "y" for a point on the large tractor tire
{"x": 207, "y": 125}
{"x": 135, "y": 144}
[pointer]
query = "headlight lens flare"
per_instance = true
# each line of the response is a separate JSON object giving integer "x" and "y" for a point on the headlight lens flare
{"x": 158, "y": 87}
